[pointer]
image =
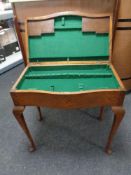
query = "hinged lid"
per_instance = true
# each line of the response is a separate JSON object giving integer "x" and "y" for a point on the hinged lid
{"x": 68, "y": 36}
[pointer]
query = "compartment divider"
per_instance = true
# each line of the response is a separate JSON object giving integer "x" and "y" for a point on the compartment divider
{"x": 69, "y": 75}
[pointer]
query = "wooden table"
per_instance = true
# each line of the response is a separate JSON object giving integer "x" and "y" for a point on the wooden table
{"x": 69, "y": 65}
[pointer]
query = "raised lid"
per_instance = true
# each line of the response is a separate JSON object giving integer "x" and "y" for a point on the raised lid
{"x": 68, "y": 37}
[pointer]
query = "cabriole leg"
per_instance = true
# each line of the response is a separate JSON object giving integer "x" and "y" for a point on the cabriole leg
{"x": 18, "y": 113}
{"x": 40, "y": 115}
{"x": 118, "y": 116}
{"x": 101, "y": 114}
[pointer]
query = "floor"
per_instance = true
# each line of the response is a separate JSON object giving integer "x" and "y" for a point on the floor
{"x": 69, "y": 142}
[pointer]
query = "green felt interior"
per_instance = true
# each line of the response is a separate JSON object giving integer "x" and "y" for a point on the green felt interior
{"x": 70, "y": 78}
{"x": 68, "y": 42}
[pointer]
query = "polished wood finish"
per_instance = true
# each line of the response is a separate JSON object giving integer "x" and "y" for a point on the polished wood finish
{"x": 30, "y": 9}
{"x": 122, "y": 42}
{"x": 95, "y": 25}
{"x": 40, "y": 114}
{"x": 18, "y": 113}
{"x": 82, "y": 99}
{"x": 101, "y": 114}
{"x": 115, "y": 18}
{"x": 123, "y": 47}
{"x": 127, "y": 83}
{"x": 66, "y": 13}
{"x": 123, "y": 25}
{"x": 125, "y": 9}
{"x": 40, "y": 27}
{"x": 19, "y": 36}
{"x": 119, "y": 114}
{"x": 68, "y": 100}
